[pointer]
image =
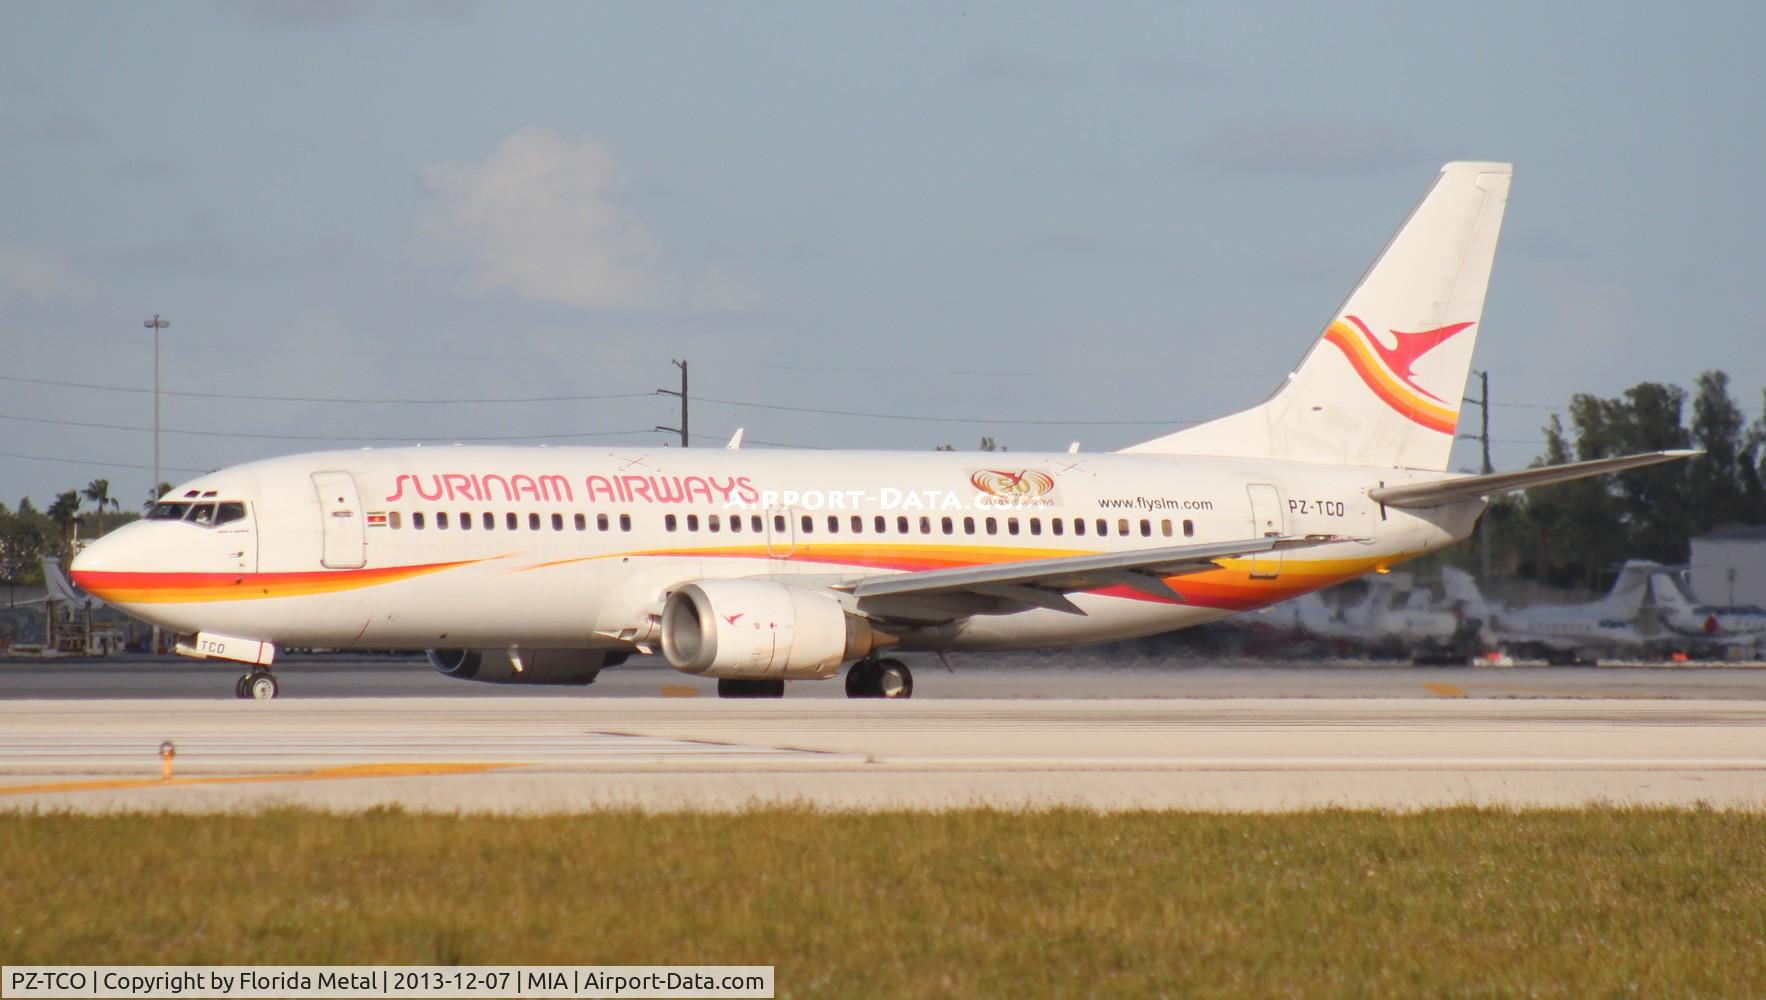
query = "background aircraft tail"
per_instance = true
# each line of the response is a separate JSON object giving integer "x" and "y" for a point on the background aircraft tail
{"x": 1382, "y": 385}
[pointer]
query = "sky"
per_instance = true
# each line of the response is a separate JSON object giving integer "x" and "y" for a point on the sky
{"x": 381, "y": 223}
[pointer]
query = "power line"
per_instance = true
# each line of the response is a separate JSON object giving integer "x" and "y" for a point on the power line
{"x": 944, "y": 420}
{"x": 106, "y": 465}
{"x": 323, "y": 437}
{"x": 326, "y": 399}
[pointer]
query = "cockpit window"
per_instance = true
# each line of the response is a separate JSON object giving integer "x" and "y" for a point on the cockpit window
{"x": 208, "y": 515}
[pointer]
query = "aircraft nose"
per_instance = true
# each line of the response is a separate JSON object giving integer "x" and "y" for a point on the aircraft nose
{"x": 97, "y": 566}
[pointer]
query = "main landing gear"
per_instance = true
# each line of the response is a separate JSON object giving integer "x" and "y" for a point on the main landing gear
{"x": 879, "y": 679}
{"x": 259, "y": 685}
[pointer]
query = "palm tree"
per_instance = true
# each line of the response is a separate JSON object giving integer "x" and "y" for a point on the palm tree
{"x": 98, "y": 491}
{"x": 65, "y": 510}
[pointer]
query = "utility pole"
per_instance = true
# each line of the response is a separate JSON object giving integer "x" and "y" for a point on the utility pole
{"x": 156, "y": 325}
{"x": 1483, "y": 438}
{"x": 681, "y": 430}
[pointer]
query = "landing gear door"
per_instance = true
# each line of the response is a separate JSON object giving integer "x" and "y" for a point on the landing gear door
{"x": 340, "y": 518}
{"x": 1266, "y": 522}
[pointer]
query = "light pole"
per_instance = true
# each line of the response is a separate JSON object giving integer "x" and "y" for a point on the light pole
{"x": 156, "y": 325}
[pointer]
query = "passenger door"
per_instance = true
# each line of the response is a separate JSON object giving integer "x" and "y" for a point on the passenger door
{"x": 340, "y": 515}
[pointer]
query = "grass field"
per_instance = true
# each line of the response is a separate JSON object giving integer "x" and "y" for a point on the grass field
{"x": 1572, "y": 903}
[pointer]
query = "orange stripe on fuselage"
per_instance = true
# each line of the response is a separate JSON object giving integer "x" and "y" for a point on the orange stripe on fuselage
{"x": 190, "y": 588}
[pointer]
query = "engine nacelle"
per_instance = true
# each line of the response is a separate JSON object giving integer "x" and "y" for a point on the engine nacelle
{"x": 538, "y": 666}
{"x": 754, "y": 630}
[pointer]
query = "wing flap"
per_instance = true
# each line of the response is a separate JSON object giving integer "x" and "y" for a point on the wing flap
{"x": 1142, "y": 569}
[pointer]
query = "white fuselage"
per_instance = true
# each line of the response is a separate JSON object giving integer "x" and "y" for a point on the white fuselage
{"x": 576, "y": 548}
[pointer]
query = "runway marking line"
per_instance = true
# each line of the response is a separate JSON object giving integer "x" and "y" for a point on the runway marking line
{"x": 1445, "y": 690}
{"x": 322, "y": 774}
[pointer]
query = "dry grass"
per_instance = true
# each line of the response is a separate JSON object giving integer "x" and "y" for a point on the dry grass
{"x": 1569, "y": 903}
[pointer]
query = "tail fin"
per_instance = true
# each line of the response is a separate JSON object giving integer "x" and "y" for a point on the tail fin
{"x": 1382, "y": 385}
{"x": 1628, "y": 590}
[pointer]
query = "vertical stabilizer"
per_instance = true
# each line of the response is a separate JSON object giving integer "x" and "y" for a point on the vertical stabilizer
{"x": 1382, "y": 385}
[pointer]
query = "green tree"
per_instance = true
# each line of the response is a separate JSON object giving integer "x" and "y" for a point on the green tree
{"x": 65, "y": 511}
{"x": 1717, "y": 485}
{"x": 98, "y": 491}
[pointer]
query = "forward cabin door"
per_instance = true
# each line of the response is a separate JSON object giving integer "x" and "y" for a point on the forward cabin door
{"x": 1266, "y": 522}
{"x": 340, "y": 518}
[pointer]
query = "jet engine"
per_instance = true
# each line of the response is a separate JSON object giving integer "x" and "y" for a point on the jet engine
{"x": 538, "y": 666}
{"x": 754, "y": 630}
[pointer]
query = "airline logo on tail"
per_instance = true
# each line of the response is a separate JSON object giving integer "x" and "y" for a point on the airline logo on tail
{"x": 1388, "y": 370}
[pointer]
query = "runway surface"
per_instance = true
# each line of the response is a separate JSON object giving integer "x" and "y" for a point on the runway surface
{"x": 1081, "y": 675}
{"x": 537, "y": 753}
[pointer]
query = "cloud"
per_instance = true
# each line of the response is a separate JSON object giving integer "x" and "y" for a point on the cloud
{"x": 1278, "y": 144}
{"x": 546, "y": 218}
{"x": 996, "y": 66}
{"x": 39, "y": 276}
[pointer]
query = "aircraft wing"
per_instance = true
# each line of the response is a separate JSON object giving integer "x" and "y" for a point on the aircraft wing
{"x": 1045, "y": 582}
{"x": 1441, "y": 491}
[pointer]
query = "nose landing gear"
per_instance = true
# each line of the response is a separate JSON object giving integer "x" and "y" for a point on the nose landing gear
{"x": 259, "y": 685}
{"x": 879, "y": 679}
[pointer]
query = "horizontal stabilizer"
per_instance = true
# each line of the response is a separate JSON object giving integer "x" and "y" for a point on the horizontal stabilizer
{"x": 1442, "y": 491}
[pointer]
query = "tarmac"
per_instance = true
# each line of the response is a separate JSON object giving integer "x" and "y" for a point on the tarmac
{"x": 1026, "y": 736}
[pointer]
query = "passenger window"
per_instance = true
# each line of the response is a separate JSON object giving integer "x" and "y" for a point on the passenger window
{"x": 233, "y": 510}
{"x": 1103, "y": 528}
{"x": 711, "y": 522}
{"x": 692, "y": 522}
{"x": 1011, "y": 526}
{"x": 993, "y": 526}
{"x": 901, "y": 524}
{"x": 395, "y": 520}
{"x": 779, "y": 523}
{"x": 510, "y": 521}
{"x": 533, "y": 522}
{"x": 1146, "y": 528}
{"x": 858, "y": 525}
{"x": 968, "y": 526}
{"x": 1189, "y": 528}
{"x": 625, "y": 522}
{"x": 1122, "y": 526}
{"x": 881, "y": 524}
{"x": 557, "y": 522}
{"x": 600, "y": 522}
{"x": 925, "y": 526}
{"x": 490, "y": 521}
{"x": 668, "y": 522}
{"x": 441, "y": 520}
{"x": 1079, "y": 526}
{"x": 809, "y": 525}
{"x": 735, "y": 522}
{"x": 1036, "y": 525}
{"x": 754, "y": 523}
{"x": 465, "y": 521}
{"x": 1165, "y": 527}
{"x": 202, "y": 513}
{"x": 833, "y": 524}
{"x": 945, "y": 523}
{"x": 417, "y": 521}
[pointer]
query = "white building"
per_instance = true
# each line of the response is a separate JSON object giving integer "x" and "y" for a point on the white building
{"x": 1729, "y": 567}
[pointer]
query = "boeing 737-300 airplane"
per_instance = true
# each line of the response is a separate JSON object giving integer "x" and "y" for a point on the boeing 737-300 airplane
{"x": 542, "y": 565}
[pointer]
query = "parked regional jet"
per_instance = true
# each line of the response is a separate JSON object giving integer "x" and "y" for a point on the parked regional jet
{"x": 1569, "y": 633}
{"x": 544, "y": 565}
